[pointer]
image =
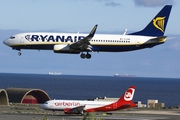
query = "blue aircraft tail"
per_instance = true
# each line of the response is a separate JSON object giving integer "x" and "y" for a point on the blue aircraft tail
{"x": 157, "y": 25}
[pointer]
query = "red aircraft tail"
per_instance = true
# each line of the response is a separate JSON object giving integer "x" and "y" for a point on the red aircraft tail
{"x": 126, "y": 99}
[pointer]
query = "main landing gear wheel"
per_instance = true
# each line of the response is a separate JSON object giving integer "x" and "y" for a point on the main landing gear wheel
{"x": 82, "y": 112}
{"x": 83, "y": 56}
{"x": 88, "y": 56}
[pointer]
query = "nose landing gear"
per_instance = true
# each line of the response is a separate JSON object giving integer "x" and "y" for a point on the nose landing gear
{"x": 19, "y": 53}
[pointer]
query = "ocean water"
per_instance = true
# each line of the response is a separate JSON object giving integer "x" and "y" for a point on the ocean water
{"x": 166, "y": 90}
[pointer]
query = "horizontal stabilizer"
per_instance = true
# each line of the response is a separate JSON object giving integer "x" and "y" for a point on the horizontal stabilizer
{"x": 159, "y": 39}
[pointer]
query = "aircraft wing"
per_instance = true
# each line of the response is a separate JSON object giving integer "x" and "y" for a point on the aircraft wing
{"x": 76, "y": 110}
{"x": 84, "y": 43}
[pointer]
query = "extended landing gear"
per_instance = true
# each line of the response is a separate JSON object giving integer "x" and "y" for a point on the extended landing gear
{"x": 19, "y": 53}
{"x": 82, "y": 112}
{"x": 83, "y": 56}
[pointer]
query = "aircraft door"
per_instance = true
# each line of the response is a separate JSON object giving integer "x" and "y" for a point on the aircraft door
{"x": 137, "y": 42}
{"x": 115, "y": 105}
{"x": 22, "y": 39}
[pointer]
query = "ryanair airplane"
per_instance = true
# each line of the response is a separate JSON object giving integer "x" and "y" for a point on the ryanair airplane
{"x": 76, "y": 43}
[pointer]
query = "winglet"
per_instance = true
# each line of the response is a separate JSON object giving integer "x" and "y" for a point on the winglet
{"x": 91, "y": 34}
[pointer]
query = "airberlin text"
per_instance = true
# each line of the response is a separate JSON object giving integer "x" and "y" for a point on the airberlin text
{"x": 53, "y": 38}
{"x": 63, "y": 103}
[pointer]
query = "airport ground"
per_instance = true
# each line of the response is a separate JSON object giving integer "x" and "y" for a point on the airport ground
{"x": 34, "y": 112}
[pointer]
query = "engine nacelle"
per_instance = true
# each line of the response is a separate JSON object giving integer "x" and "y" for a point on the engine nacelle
{"x": 65, "y": 49}
{"x": 61, "y": 48}
{"x": 71, "y": 111}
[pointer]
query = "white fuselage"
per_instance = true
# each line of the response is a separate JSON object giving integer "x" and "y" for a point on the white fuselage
{"x": 100, "y": 42}
{"x": 60, "y": 105}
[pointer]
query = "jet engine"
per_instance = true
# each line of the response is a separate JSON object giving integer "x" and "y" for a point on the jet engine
{"x": 64, "y": 49}
{"x": 61, "y": 48}
{"x": 78, "y": 110}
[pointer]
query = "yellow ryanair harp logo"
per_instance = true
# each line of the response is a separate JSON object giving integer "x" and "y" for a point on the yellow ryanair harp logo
{"x": 159, "y": 23}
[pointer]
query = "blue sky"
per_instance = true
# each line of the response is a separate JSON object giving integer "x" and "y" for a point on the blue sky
{"x": 81, "y": 15}
{"x": 112, "y": 16}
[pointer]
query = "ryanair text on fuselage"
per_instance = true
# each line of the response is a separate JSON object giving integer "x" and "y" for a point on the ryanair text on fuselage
{"x": 53, "y": 38}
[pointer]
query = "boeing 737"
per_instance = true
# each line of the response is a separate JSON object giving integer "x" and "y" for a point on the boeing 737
{"x": 79, "y": 107}
{"x": 76, "y": 43}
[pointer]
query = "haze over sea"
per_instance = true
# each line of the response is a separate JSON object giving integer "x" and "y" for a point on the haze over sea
{"x": 166, "y": 90}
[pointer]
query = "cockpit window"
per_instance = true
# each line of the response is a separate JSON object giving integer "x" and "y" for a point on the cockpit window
{"x": 12, "y": 37}
{"x": 46, "y": 103}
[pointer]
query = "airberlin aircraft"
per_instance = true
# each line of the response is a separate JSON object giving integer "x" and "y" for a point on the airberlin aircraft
{"x": 76, "y": 43}
{"x": 79, "y": 107}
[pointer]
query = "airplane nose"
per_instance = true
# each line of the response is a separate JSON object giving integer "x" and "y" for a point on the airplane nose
{"x": 42, "y": 106}
{"x": 5, "y": 42}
